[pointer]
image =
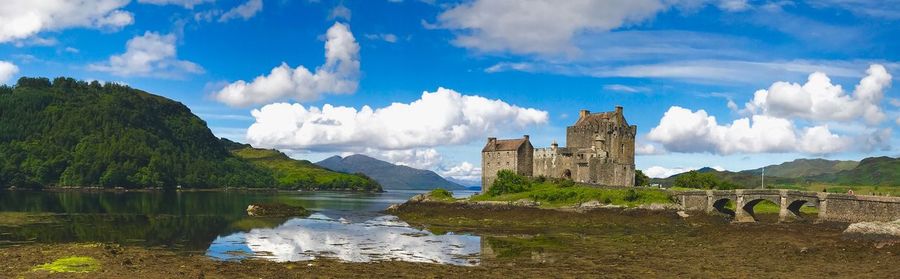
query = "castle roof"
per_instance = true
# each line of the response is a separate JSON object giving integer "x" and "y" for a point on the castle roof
{"x": 504, "y": 144}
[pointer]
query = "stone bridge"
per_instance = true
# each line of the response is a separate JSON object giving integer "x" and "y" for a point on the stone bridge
{"x": 831, "y": 207}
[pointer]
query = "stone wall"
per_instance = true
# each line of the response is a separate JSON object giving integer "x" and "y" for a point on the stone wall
{"x": 853, "y": 208}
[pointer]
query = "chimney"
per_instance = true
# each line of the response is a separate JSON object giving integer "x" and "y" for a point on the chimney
{"x": 526, "y": 137}
{"x": 554, "y": 145}
{"x": 619, "y": 110}
{"x": 492, "y": 140}
{"x": 583, "y": 113}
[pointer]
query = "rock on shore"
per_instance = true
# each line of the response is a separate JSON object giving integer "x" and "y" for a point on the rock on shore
{"x": 875, "y": 228}
{"x": 275, "y": 210}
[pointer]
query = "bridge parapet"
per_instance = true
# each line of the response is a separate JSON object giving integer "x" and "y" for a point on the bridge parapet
{"x": 831, "y": 207}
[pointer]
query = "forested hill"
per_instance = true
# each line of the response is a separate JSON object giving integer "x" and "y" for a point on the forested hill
{"x": 75, "y": 133}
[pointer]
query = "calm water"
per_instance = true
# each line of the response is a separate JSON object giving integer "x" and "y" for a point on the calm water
{"x": 346, "y": 226}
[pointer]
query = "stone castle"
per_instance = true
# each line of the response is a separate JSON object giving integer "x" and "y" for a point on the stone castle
{"x": 599, "y": 150}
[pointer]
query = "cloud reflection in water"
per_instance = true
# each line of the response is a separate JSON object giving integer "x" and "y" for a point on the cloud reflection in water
{"x": 380, "y": 238}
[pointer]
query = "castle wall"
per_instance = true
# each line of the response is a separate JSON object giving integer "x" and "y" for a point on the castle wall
{"x": 492, "y": 162}
{"x": 552, "y": 162}
{"x": 525, "y": 160}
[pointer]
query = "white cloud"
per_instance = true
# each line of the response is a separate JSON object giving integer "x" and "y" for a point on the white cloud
{"x": 36, "y": 41}
{"x": 443, "y": 117}
{"x": 625, "y": 88}
{"x": 244, "y": 11}
{"x": 71, "y": 50}
{"x": 734, "y": 5}
{"x": 387, "y": 37}
{"x": 339, "y": 75}
{"x": 726, "y": 71}
{"x": 821, "y": 100}
{"x": 340, "y": 11}
{"x": 21, "y": 19}
{"x": 536, "y": 26}
{"x": 683, "y": 130}
{"x": 648, "y": 149}
{"x": 420, "y": 158}
{"x": 663, "y": 172}
{"x": 464, "y": 171}
{"x": 184, "y": 3}
{"x": 149, "y": 55}
{"x": 7, "y": 71}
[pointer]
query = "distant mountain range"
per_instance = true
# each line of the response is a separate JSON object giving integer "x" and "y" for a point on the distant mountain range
{"x": 880, "y": 171}
{"x": 390, "y": 176}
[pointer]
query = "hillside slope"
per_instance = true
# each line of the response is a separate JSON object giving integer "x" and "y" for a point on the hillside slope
{"x": 881, "y": 171}
{"x": 74, "y": 133}
{"x": 302, "y": 174}
{"x": 390, "y": 176}
{"x": 805, "y": 168}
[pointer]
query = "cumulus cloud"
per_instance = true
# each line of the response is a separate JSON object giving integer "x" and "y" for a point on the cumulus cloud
{"x": 464, "y": 171}
{"x": 21, "y": 19}
{"x": 773, "y": 114}
{"x": 148, "y": 55}
{"x": 339, "y": 75}
{"x": 443, "y": 117}
{"x": 821, "y": 100}
{"x": 184, "y": 3}
{"x": 7, "y": 71}
{"x": 244, "y": 11}
{"x": 683, "y": 130}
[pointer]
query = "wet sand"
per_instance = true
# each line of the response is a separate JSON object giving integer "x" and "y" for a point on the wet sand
{"x": 536, "y": 243}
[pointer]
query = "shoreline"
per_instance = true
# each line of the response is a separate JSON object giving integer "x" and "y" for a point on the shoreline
{"x": 146, "y": 190}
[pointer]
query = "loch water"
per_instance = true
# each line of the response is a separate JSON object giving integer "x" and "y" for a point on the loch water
{"x": 345, "y": 226}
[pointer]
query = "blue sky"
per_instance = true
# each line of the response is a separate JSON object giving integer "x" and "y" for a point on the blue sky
{"x": 492, "y": 68}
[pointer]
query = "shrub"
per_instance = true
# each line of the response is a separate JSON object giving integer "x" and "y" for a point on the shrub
{"x": 566, "y": 183}
{"x": 441, "y": 194}
{"x": 631, "y": 195}
{"x": 508, "y": 182}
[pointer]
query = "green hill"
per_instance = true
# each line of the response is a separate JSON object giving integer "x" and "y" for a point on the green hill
{"x": 75, "y": 133}
{"x": 875, "y": 171}
{"x": 391, "y": 176}
{"x": 805, "y": 168}
{"x": 302, "y": 174}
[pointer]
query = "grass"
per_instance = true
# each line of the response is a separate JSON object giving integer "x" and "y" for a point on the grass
{"x": 440, "y": 194}
{"x": 550, "y": 194}
{"x": 302, "y": 174}
{"x": 70, "y": 264}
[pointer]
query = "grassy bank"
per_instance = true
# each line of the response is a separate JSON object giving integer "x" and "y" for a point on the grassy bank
{"x": 510, "y": 187}
{"x": 550, "y": 194}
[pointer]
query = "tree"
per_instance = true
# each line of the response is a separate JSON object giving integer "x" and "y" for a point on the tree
{"x": 640, "y": 179}
{"x": 509, "y": 182}
{"x": 698, "y": 180}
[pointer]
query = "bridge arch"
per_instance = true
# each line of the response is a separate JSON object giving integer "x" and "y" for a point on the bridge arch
{"x": 721, "y": 206}
{"x": 750, "y": 203}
